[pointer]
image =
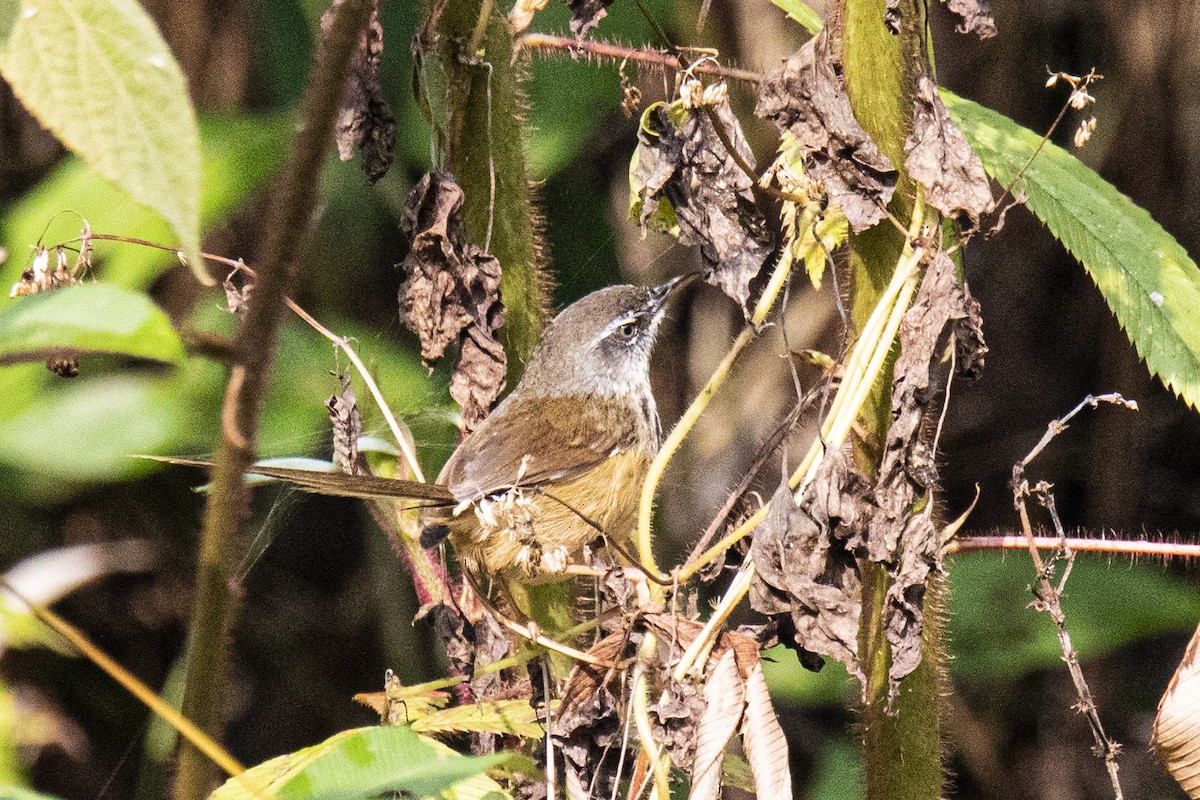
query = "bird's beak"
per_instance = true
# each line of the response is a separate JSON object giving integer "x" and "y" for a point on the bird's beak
{"x": 661, "y": 294}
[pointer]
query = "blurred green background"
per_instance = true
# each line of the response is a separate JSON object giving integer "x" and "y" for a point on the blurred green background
{"x": 327, "y": 608}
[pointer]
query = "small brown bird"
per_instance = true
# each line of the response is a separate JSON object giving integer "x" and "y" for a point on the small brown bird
{"x": 560, "y": 462}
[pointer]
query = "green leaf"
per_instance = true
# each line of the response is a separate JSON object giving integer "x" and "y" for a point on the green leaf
{"x": 86, "y": 431}
{"x": 87, "y": 318}
{"x": 994, "y": 633}
{"x": 99, "y": 75}
{"x": 1145, "y": 276}
{"x": 800, "y": 12}
{"x": 505, "y": 717}
{"x": 20, "y": 793}
{"x": 365, "y": 762}
{"x": 239, "y": 153}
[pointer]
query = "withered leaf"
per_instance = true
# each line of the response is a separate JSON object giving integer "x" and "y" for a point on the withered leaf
{"x": 970, "y": 350}
{"x": 478, "y": 378}
{"x": 908, "y": 542}
{"x": 723, "y": 703}
{"x": 807, "y": 97}
{"x": 976, "y": 16}
{"x": 450, "y": 627}
{"x": 763, "y": 739}
{"x": 675, "y": 718}
{"x": 805, "y": 567}
{"x": 364, "y": 119}
{"x": 1176, "y": 735}
{"x": 891, "y": 16}
{"x": 686, "y": 172}
{"x": 940, "y": 159}
{"x": 586, "y": 14}
{"x": 346, "y": 422}
{"x": 588, "y": 729}
{"x": 452, "y": 294}
{"x": 491, "y": 642}
{"x": 238, "y": 289}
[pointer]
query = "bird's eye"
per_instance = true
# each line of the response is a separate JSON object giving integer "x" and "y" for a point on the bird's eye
{"x": 628, "y": 330}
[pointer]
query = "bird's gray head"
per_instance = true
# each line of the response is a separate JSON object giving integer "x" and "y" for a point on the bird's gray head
{"x": 600, "y": 344}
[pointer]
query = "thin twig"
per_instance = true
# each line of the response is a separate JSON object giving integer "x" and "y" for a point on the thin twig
{"x": 404, "y": 442}
{"x": 655, "y": 58}
{"x": 1048, "y": 596}
{"x": 972, "y": 544}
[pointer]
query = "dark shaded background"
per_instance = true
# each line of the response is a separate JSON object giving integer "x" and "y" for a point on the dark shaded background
{"x": 326, "y": 608}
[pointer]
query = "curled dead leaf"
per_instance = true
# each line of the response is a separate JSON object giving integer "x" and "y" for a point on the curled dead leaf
{"x": 1176, "y": 736}
{"x": 975, "y": 15}
{"x": 805, "y": 563}
{"x": 588, "y": 729}
{"x": 452, "y": 294}
{"x": 764, "y": 741}
{"x": 724, "y": 701}
{"x": 905, "y": 540}
{"x": 692, "y": 176}
{"x": 364, "y": 119}
{"x": 940, "y": 159}
{"x": 346, "y": 422}
{"x": 586, "y": 14}
{"x": 807, "y": 97}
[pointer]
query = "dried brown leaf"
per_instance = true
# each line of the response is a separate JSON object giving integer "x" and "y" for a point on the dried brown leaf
{"x": 364, "y": 119}
{"x": 452, "y": 294}
{"x": 807, "y": 97}
{"x": 588, "y": 730}
{"x": 450, "y": 627}
{"x": 686, "y": 172}
{"x": 586, "y": 14}
{"x": 940, "y": 159}
{"x": 1176, "y": 736}
{"x": 724, "y": 699}
{"x": 970, "y": 350}
{"x": 805, "y": 564}
{"x": 763, "y": 740}
{"x": 975, "y": 15}
{"x": 491, "y": 643}
{"x": 479, "y": 376}
{"x": 346, "y": 422}
{"x": 675, "y": 717}
{"x": 908, "y": 542}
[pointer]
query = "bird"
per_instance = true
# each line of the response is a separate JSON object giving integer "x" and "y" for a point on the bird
{"x": 559, "y": 463}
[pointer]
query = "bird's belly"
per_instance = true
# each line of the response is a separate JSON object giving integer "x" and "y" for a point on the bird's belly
{"x": 539, "y": 530}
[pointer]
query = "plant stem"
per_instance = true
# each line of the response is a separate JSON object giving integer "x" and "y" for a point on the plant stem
{"x": 902, "y": 744}
{"x": 228, "y": 506}
{"x": 471, "y": 87}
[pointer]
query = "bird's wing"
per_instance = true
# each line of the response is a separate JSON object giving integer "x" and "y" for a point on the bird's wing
{"x": 536, "y": 441}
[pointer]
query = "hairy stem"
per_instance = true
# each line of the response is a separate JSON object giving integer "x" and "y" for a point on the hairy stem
{"x": 228, "y": 506}
{"x": 472, "y": 92}
{"x": 902, "y": 745}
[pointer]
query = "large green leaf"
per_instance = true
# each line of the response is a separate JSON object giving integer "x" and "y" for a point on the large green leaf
{"x": 366, "y": 762}
{"x": 99, "y": 75}
{"x": 1145, "y": 276}
{"x": 86, "y": 318}
{"x": 239, "y": 153}
{"x": 86, "y": 430}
